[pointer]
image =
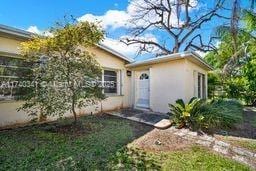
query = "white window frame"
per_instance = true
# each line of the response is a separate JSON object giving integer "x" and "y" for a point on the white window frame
{"x": 203, "y": 87}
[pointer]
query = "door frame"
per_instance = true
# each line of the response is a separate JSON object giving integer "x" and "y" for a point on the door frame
{"x": 137, "y": 75}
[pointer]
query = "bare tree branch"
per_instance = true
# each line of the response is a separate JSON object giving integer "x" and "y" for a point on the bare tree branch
{"x": 144, "y": 44}
{"x": 176, "y": 21}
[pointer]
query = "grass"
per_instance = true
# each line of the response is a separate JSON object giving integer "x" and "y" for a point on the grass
{"x": 98, "y": 144}
{"x": 249, "y": 144}
{"x": 38, "y": 148}
{"x": 191, "y": 159}
{"x": 200, "y": 159}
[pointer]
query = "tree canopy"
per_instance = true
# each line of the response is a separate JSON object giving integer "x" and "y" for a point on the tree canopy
{"x": 236, "y": 64}
{"x": 64, "y": 74}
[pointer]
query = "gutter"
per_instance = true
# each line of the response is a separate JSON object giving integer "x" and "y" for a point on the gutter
{"x": 14, "y": 32}
{"x": 170, "y": 57}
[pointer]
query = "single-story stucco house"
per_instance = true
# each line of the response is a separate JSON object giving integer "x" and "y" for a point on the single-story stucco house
{"x": 150, "y": 84}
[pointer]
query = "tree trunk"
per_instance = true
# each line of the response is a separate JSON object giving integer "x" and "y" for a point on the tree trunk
{"x": 73, "y": 110}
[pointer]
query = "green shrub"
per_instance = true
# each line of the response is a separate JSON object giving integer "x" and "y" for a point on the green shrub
{"x": 228, "y": 112}
{"x": 200, "y": 114}
{"x": 186, "y": 115}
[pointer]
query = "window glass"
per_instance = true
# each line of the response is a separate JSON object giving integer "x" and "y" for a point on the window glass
{"x": 199, "y": 85}
{"x": 144, "y": 76}
{"x": 201, "y": 88}
{"x": 110, "y": 81}
{"x": 12, "y": 70}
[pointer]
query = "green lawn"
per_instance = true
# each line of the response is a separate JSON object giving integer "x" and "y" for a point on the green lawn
{"x": 191, "y": 159}
{"x": 249, "y": 144}
{"x": 97, "y": 143}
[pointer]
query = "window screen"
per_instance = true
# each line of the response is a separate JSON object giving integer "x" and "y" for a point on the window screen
{"x": 12, "y": 70}
{"x": 110, "y": 81}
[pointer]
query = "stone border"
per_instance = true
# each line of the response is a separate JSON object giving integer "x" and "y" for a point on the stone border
{"x": 236, "y": 153}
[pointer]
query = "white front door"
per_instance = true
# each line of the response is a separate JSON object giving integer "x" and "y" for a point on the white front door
{"x": 143, "y": 89}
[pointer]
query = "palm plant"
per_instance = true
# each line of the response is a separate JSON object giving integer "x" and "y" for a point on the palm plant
{"x": 185, "y": 115}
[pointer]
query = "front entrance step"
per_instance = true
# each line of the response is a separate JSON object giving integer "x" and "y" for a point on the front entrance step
{"x": 160, "y": 124}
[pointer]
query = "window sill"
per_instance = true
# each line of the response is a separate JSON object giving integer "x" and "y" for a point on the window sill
{"x": 9, "y": 101}
{"x": 113, "y": 95}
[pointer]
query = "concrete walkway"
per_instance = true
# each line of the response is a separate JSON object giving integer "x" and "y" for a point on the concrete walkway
{"x": 158, "y": 120}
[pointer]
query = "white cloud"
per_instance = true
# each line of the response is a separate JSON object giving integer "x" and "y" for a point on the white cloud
{"x": 121, "y": 18}
{"x": 34, "y": 29}
{"x": 131, "y": 50}
{"x": 202, "y": 54}
{"x": 112, "y": 18}
{"x": 146, "y": 37}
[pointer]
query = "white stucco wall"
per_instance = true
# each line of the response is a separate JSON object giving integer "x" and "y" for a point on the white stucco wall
{"x": 9, "y": 114}
{"x": 169, "y": 81}
{"x": 167, "y": 84}
{"x": 192, "y": 69}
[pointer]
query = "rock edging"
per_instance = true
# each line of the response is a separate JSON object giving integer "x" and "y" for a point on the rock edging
{"x": 236, "y": 153}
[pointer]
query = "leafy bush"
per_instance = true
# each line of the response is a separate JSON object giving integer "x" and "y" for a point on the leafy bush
{"x": 214, "y": 81}
{"x": 199, "y": 114}
{"x": 227, "y": 112}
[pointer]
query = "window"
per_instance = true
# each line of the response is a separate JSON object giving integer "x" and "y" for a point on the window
{"x": 12, "y": 70}
{"x": 144, "y": 76}
{"x": 201, "y": 86}
{"x": 110, "y": 81}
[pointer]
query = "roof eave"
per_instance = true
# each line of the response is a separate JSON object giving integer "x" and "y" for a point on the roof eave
{"x": 112, "y": 51}
{"x": 13, "y": 32}
{"x": 171, "y": 57}
{"x": 199, "y": 58}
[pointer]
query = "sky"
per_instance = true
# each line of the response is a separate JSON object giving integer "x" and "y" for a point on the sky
{"x": 39, "y": 15}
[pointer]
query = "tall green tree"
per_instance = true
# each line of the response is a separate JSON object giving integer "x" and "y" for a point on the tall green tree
{"x": 236, "y": 63}
{"x": 65, "y": 74}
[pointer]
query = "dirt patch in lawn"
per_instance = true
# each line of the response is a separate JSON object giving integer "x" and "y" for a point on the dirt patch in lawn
{"x": 161, "y": 140}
